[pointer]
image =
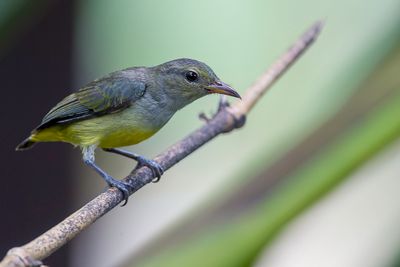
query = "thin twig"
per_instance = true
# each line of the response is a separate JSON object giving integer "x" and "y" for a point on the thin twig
{"x": 225, "y": 120}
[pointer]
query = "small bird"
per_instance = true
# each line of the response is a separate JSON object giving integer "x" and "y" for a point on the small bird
{"x": 124, "y": 108}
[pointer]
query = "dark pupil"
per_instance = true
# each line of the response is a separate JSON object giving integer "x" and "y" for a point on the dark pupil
{"x": 191, "y": 76}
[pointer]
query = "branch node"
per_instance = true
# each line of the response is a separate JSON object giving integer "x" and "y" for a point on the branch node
{"x": 203, "y": 117}
{"x": 240, "y": 121}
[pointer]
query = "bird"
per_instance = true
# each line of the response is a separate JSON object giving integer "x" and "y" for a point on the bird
{"x": 125, "y": 108}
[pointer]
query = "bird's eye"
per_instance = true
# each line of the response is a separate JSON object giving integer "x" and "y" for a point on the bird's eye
{"x": 191, "y": 76}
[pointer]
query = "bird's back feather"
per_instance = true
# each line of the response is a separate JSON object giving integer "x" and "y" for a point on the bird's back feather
{"x": 104, "y": 96}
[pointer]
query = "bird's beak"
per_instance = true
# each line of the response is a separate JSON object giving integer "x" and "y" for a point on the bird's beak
{"x": 222, "y": 88}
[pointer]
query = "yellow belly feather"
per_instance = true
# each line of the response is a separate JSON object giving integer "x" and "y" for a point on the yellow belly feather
{"x": 106, "y": 131}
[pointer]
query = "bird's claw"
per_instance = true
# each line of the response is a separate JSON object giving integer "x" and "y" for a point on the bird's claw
{"x": 121, "y": 186}
{"x": 155, "y": 168}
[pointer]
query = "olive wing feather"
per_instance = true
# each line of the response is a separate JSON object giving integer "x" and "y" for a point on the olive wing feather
{"x": 100, "y": 97}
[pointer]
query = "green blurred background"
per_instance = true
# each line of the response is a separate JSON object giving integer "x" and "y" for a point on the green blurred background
{"x": 311, "y": 180}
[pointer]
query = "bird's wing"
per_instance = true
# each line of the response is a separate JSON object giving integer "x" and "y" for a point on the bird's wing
{"x": 100, "y": 97}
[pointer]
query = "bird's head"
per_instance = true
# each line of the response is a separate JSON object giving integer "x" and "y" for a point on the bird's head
{"x": 186, "y": 80}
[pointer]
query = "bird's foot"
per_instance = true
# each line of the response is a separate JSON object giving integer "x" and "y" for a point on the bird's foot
{"x": 121, "y": 186}
{"x": 223, "y": 104}
{"x": 152, "y": 165}
{"x": 156, "y": 169}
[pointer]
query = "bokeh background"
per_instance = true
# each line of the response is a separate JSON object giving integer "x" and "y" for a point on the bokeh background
{"x": 311, "y": 180}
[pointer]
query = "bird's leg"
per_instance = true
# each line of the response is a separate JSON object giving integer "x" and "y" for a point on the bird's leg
{"x": 88, "y": 159}
{"x": 142, "y": 161}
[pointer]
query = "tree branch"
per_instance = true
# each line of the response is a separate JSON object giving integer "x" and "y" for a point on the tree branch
{"x": 225, "y": 120}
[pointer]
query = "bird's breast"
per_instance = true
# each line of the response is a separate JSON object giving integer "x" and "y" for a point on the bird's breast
{"x": 128, "y": 127}
{"x": 133, "y": 125}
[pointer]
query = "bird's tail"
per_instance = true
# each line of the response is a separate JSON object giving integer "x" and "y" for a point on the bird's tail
{"x": 26, "y": 144}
